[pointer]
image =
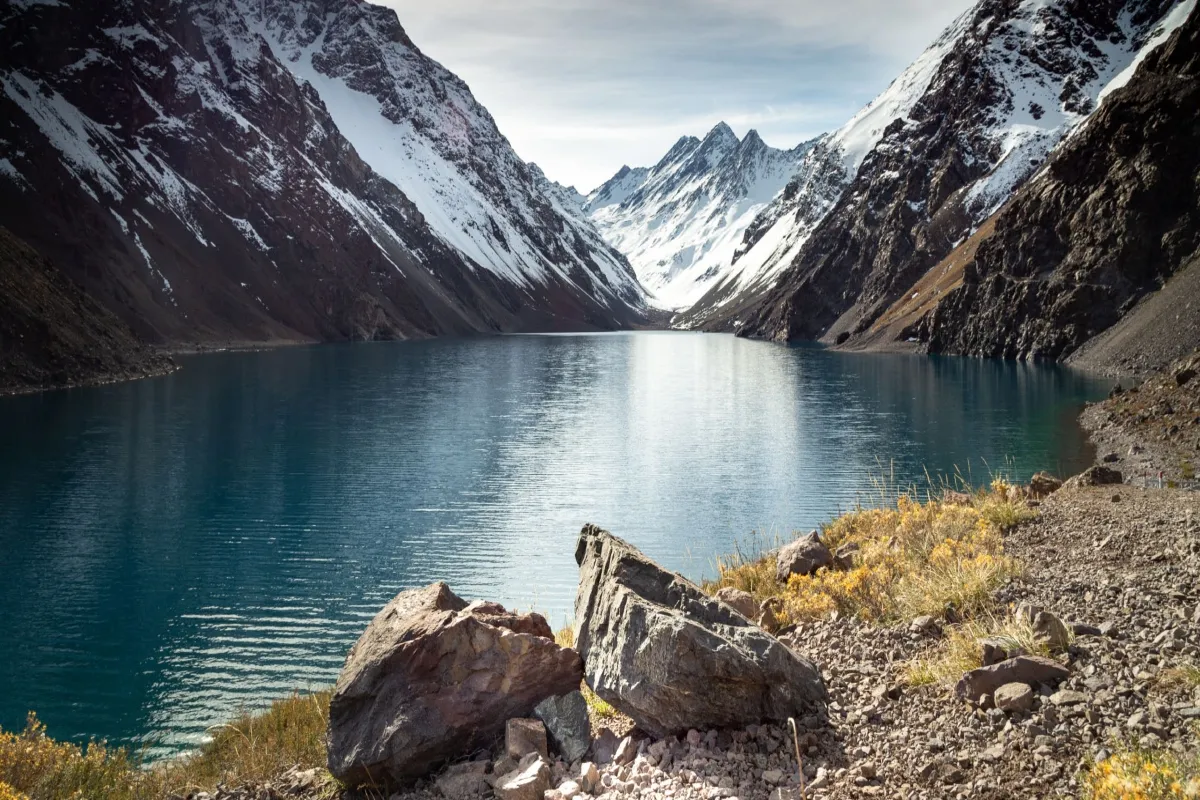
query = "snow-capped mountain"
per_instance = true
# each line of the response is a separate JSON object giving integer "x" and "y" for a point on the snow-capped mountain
{"x": 259, "y": 169}
{"x": 680, "y": 221}
{"x": 877, "y": 203}
{"x": 1114, "y": 218}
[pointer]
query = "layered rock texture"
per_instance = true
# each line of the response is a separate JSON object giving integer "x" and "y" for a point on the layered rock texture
{"x": 1115, "y": 214}
{"x": 52, "y": 334}
{"x": 432, "y": 678}
{"x": 673, "y": 658}
{"x": 879, "y": 203}
{"x": 252, "y": 171}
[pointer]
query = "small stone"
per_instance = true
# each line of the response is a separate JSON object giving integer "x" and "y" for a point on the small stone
{"x": 626, "y": 751}
{"x": 567, "y": 724}
{"x": 525, "y": 736}
{"x": 1079, "y": 629}
{"x": 604, "y": 746}
{"x": 1066, "y": 697}
{"x": 773, "y": 776}
{"x": 926, "y": 625}
{"x": 1013, "y": 697}
{"x": 740, "y": 601}
{"x": 802, "y": 557}
{"x": 1050, "y": 630}
{"x": 569, "y": 790}
{"x": 1043, "y": 484}
{"x": 589, "y": 777}
{"x": 529, "y": 781}
{"x": 1022, "y": 669}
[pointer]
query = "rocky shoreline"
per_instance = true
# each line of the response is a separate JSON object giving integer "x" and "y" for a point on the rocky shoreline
{"x": 445, "y": 699}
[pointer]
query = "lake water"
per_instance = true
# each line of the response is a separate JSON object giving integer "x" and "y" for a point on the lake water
{"x": 174, "y": 549}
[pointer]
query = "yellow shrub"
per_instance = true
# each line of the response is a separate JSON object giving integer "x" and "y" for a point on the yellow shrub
{"x": 9, "y": 793}
{"x": 1143, "y": 775}
{"x": 911, "y": 559}
{"x": 35, "y": 766}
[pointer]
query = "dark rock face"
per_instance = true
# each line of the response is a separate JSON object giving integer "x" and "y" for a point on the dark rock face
{"x": 1113, "y": 217}
{"x": 567, "y": 723}
{"x": 430, "y": 680}
{"x": 52, "y": 334}
{"x": 670, "y": 657}
{"x": 185, "y": 166}
{"x": 1009, "y": 81}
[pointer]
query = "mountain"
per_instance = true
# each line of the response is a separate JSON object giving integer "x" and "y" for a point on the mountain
{"x": 52, "y": 334}
{"x": 1115, "y": 214}
{"x": 253, "y": 170}
{"x": 680, "y": 221}
{"x": 876, "y": 204}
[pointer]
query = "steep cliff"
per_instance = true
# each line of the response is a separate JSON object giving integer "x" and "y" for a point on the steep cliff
{"x": 258, "y": 170}
{"x": 1115, "y": 214}
{"x": 906, "y": 181}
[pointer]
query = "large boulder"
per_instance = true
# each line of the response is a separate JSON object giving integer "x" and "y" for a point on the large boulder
{"x": 802, "y": 557}
{"x": 672, "y": 658}
{"x": 432, "y": 678}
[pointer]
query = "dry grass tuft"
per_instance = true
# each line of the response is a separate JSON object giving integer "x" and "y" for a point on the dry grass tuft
{"x": 912, "y": 558}
{"x": 1136, "y": 774}
{"x": 253, "y": 748}
{"x": 962, "y": 649}
{"x": 1185, "y": 677}
{"x": 256, "y": 747}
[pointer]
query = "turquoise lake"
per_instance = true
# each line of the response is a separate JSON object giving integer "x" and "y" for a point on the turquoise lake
{"x": 175, "y": 549}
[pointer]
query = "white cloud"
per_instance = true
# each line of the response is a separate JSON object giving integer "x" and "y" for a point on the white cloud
{"x": 584, "y": 86}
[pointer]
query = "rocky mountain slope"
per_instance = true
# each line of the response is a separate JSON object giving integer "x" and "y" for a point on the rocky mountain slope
{"x": 1113, "y": 216}
{"x": 263, "y": 170}
{"x": 51, "y": 333}
{"x": 881, "y": 201}
{"x": 680, "y": 221}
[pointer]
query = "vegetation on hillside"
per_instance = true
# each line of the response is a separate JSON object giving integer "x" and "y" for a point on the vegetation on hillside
{"x": 909, "y": 559}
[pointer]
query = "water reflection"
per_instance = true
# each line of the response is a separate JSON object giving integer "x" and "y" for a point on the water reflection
{"x": 175, "y": 548}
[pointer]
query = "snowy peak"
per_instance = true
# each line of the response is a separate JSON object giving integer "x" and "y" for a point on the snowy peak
{"x": 248, "y": 169}
{"x": 680, "y": 220}
{"x": 887, "y": 195}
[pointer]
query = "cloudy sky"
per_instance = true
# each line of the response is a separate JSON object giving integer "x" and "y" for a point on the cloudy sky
{"x": 584, "y": 86}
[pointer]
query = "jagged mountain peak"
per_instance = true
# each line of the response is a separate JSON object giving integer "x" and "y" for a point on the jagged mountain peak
{"x": 680, "y": 220}
{"x": 886, "y": 196}
{"x": 721, "y": 132}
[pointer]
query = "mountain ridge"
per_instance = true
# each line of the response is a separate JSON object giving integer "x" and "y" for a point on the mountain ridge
{"x": 175, "y": 163}
{"x": 961, "y": 129}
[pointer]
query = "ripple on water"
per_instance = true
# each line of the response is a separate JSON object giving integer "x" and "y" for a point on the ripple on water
{"x": 178, "y": 549}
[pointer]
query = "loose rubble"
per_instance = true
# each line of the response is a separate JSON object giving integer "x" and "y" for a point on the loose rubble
{"x": 1111, "y": 590}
